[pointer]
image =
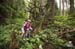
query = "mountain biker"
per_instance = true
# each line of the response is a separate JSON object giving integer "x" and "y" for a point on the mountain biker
{"x": 27, "y": 27}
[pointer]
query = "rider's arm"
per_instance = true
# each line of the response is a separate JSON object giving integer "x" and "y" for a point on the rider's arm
{"x": 31, "y": 28}
{"x": 25, "y": 23}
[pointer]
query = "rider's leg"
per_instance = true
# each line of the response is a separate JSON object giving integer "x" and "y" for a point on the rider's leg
{"x": 24, "y": 33}
{"x": 29, "y": 33}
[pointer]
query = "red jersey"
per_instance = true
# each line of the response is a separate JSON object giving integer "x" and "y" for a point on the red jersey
{"x": 27, "y": 25}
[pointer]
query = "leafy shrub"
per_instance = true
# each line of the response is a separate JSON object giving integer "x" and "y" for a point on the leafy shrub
{"x": 61, "y": 20}
{"x": 38, "y": 40}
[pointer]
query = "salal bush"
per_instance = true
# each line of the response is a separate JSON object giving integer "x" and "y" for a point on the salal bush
{"x": 39, "y": 39}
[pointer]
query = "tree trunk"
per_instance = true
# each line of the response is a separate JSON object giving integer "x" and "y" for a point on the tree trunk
{"x": 63, "y": 10}
{"x": 52, "y": 7}
{"x": 42, "y": 4}
{"x": 71, "y": 7}
{"x": 66, "y": 7}
{"x": 50, "y": 11}
{"x": 60, "y": 7}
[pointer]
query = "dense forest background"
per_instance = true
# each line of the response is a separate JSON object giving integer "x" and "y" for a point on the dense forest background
{"x": 53, "y": 22}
